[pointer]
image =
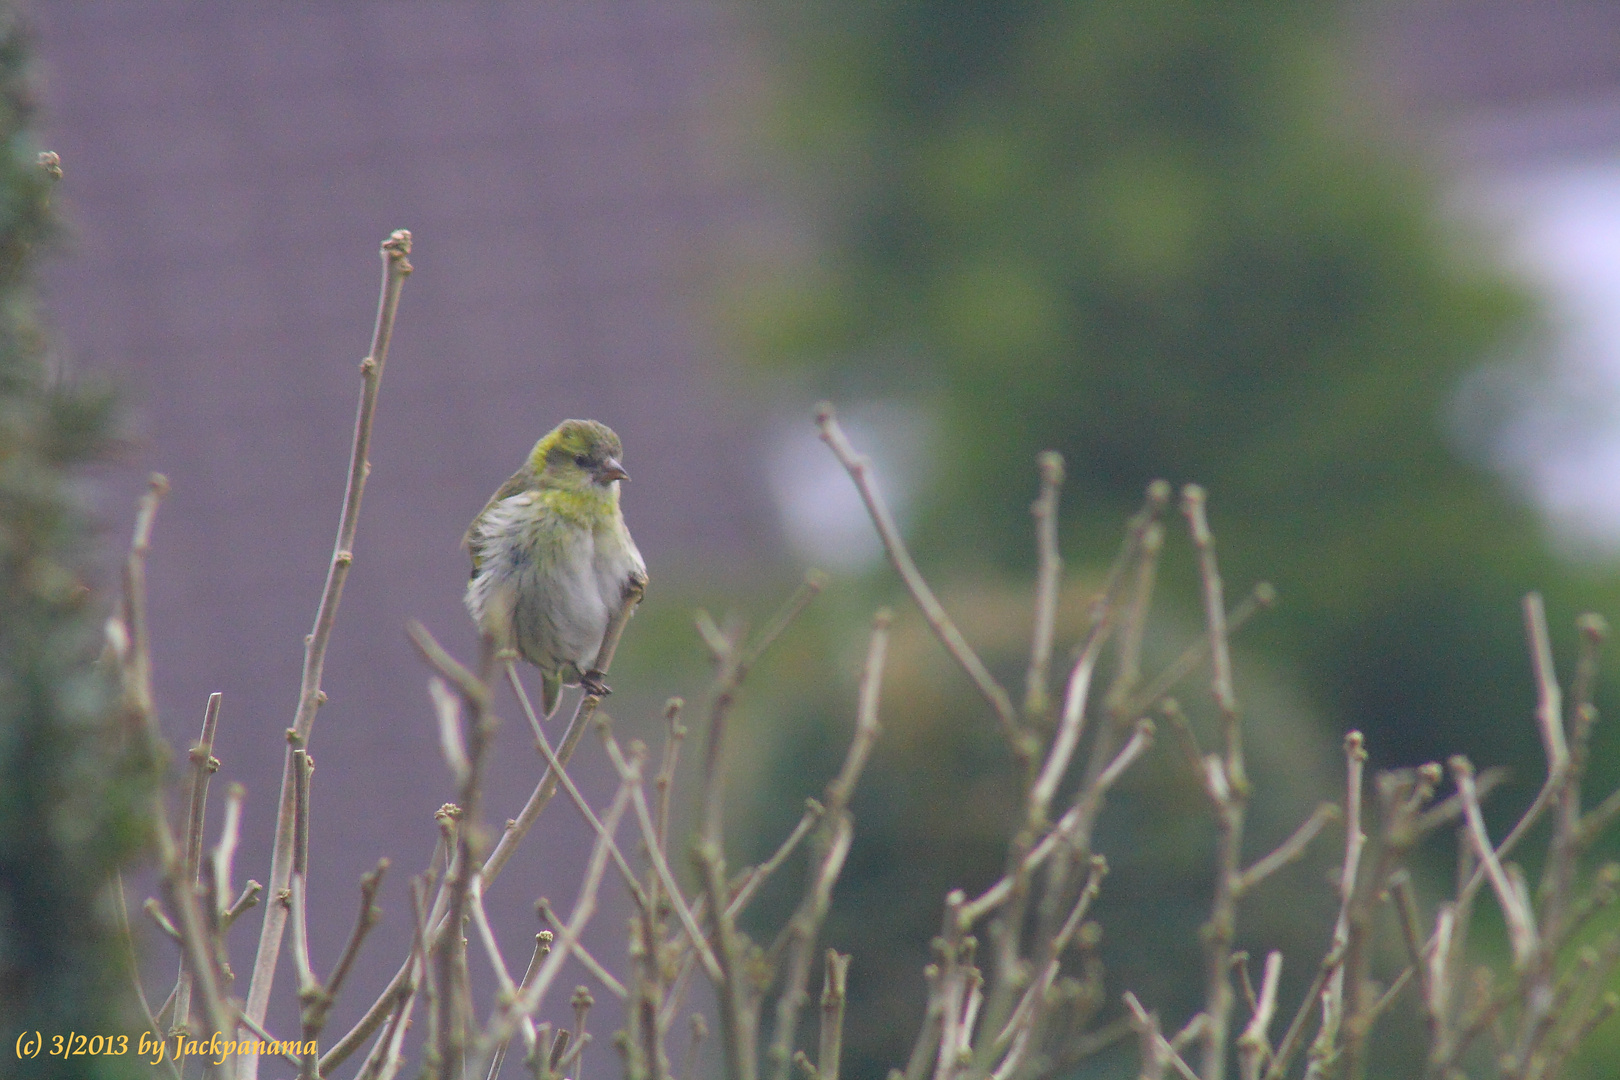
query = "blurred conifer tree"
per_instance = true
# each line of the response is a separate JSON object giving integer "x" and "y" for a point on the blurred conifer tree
{"x": 68, "y": 797}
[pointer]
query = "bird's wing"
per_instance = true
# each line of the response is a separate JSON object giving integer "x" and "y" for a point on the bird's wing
{"x": 477, "y": 533}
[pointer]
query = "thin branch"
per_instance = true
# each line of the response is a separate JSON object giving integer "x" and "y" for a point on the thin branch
{"x": 1288, "y": 851}
{"x": 832, "y": 1015}
{"x": 859, "y": 468}
{"x": 1030, "y": 1005}
{"x": 132, "y": 962}
{"x": 1048, "y": 577}
{"x": 261, "y": 1032}
{"x": 455, "y": 1001}
{"x": 583, "y": 955}
{"x": 506, "y": 1020}
{"x": 799, "y": 936}
{"x": 160, "y": 919}
{"x": 136, "y": 654}
{"x": 1296, "y": 1027}
{"x": 370, "y": 885}
{"x": 755, "y": 878}
{"x": 1133, "y": 626}
{"x": 224, "y": 855}
{"x": 131, "y": 642}
{"x": 516, "y": 830}
{"x": 1355, "y": 841}
{"x": 866, "y": 716}
{"x": 1228, "y": 779}
{"x": 492, "y": 950}
{"x": 1254, "y": 1047}
{"x": 1068, "y": 731}
{"x": 1404, "y": 897}
{"x": 396, "y": 267}
{"x": 385, "y": 1057}
{"x": 1261, "y": 597}
{"x": 542, "y": 947}
{"x": 1078, "y": 817}
{"x": 664, "y": 782}
{"x": 554, "y": 764}
{"x": 751, "y": 881}
{"x": 1156, "y": 1049}
{"x": 811, "y": 587}
{"x": 629, "y": 771}
{"x": 1520, "y": 920}
{"x": 1549, "y": 700}
{"x": 203, "y": 766}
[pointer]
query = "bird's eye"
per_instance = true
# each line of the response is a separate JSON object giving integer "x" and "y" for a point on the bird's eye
{"x": 581, "y": 460}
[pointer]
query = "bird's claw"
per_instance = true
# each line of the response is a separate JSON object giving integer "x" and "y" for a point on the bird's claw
{"x": 591, "y": 682}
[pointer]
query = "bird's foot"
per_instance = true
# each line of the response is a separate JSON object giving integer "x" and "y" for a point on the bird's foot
{"x": 591, "y": 682}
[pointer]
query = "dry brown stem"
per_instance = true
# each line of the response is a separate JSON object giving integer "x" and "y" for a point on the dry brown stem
{"x": 859, "y": 468}
{"x": 396, "y": 267}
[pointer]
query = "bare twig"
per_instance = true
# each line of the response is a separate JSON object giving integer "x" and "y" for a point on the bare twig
{"x": 799, "y": 936}
{"x": 583, "y": 955}
{"x": 1288, "y": 850}
{"x": 554, "y": 764}
{"x": 1032, "y": 1004}
{"x": 664, "y": 782}
{"x": 1074, "y": 821}
{"x": 1068, "y": 731}
{"x": 203, "y": 766}
{"x": 751, "y": 881}
{"x": 454, "y": 1005}
{"x": 1157, "y": 1053}
{"x": 1549, "y": 701}
{"x": 1515, "y": 905}
{"x": 755, "y": 878}
{"x": 513, "y": 835}
{"x": 542, "y": 946}
{"x": 1261, "y": 597}
{"x": 222, "y": 858}
{"x": 1048, "y": 577}
{"x": 811, "y": 587}
{"x": 506, "y": 1019}
{"x": 497, "y": 963}
{"x": 1229, "y": 781}
{"x": 370, "y": 885}
{"x": 129, "y": 637}
{"x": 132, "y": 962}
{"x": 396, "y": 267}
{"x": 1355, "y": 841}
{"x": 832, "y": 1015}
{"x": 1254, "y": 1047}
{"x": 629, "y": 771}
{"x": 385, "y": 1058}
{"x": 859, "y": 468}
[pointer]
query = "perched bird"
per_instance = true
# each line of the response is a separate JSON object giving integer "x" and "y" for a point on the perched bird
{"x": 552, "y": 561}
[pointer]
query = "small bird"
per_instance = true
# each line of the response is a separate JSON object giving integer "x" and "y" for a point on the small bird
{"x": 552, "y": 560}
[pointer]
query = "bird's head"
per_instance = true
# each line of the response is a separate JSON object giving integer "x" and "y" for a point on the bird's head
{"x": 578, "y": 455}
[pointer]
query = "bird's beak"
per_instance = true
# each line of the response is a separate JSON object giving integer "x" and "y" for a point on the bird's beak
{"x": 610, "y": 471}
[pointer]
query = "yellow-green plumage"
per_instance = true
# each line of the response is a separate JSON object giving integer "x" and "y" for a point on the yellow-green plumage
{"x": 552, "y": 560}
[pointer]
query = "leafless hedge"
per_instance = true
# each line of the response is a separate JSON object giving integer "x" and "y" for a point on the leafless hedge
{"x": 1028, "y": 1001}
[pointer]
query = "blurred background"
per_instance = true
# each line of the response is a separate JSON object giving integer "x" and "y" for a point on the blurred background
{"x": 1355, "y": 268}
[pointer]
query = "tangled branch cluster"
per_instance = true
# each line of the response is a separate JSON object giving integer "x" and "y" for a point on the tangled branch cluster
{"x": 1029, "y": 1000}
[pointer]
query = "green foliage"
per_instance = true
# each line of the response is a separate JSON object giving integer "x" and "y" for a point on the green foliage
{"x": 67, "y": 806}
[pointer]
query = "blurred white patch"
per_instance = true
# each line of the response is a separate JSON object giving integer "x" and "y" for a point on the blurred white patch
{"x": 822, "y": 514}
{"x": 1561, "y": 436}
